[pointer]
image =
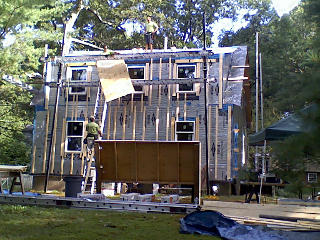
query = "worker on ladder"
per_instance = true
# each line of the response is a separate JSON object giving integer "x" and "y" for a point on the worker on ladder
{"x": 93, "y": 132}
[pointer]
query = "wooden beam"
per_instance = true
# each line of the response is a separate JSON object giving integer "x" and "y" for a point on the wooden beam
{"x": 151, "y": 77}
{"x": 194, "y": 60}
{"x": 216, "y": 144}
{"x": 220, "y": 80}
{"x": 45, "y": 143}
{"x": 71, "y": 164}
{"x": 172, "y": 128}
{"x": 229, "y": 142}
{"x": 124, "y": 123}
{"x": 185, "y": 107}
{"x": 144, "y": 123}
{"x": 197, "y": 129}
{"x": 209, "y": 132}
{"x": 134, "y": 123}
{"x": 115, "y": 120}
{"x": 33, "y": 158}
{"x": 109, "y": 121}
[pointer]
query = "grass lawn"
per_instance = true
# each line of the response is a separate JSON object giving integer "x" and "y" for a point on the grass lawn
{"x": 38, "y": 223}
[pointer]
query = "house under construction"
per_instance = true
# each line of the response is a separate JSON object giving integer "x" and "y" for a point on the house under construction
{"x": 168, "y": 104}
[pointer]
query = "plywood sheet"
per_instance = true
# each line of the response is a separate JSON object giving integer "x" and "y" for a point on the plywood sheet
{"x": 114, "y": 78}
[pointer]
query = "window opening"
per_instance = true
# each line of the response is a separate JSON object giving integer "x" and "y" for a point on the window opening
{"x": 137, "y": 72}
{"x": 186, "y": 71}
{"x": 312, "y": 177}
{"x": 185, "y": 130}
{"x": 78, "y": 74}
{"x": 74, "y": 136}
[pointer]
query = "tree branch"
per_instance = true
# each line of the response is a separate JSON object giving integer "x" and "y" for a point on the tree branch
{"x": 7, "y": 24}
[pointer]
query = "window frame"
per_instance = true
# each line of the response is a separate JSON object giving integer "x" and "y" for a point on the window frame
{"x": 193, "y": 86}
{"x": 177, "y": 132}
{"x": 144, "y": 75}
{"x": 316, "y": 177}
{"x": 69, "y": 78}
{"x": 74, "y": 136}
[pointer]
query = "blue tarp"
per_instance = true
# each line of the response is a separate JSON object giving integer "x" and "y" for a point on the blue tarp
{"x": 215, "y": 224}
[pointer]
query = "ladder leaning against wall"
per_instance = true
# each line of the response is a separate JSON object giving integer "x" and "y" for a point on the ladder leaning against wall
{"x": 89, "y": 174}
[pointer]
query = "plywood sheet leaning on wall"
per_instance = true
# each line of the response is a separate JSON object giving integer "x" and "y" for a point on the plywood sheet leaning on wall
{"x": 149, "y": 162}
{"x": 114, "y": 78}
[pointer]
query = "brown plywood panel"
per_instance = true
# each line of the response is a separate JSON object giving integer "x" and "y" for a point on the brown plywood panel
{"x": 168, "y": 162}
{"x": 146, "y": 166}
{"x": 126, "y": 161}
{"x": 108, "y": 161}
{"x": 186, "y": 163}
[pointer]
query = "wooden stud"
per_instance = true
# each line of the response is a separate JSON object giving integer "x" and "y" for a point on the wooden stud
{"x": 45, "y": 144}
{"x": 63, "y": 134}
{"x": 185, "y": 107}
{"x": 220, "y": 80}
{"x": 229, "y": 143}
{"x": 115, "y": 120}
{"x": 124, "y": 123}
{"x": 159, "y": 101}
{"x": 197, "y": 86}
{"x": 134, "y": 123}
{"x": 178, "y": 107}
{"x": 71, "y": 163}
{"x": 172, "y": 128}
{"x": 157, "y": 124}
{"x": 33, "y": 158}
{"x": 216, "y": 144}
{"x": 109, "y": 121}
{"x": 197, "y": 129}
{"x": 144, "y": 123}
{"x": 209, "y": 132}
{"x": 168, "y": 123}
{"x": 73, "y": 107}
{"x": 151, "y": 77}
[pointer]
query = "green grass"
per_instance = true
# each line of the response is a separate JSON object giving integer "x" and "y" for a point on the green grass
{"x": 28, "y": 223}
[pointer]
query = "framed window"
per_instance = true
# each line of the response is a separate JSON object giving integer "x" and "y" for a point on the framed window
{"x": 77, "y": 74}
{"x": 137, "y": 72}
{"x": 186, "y": 71}
{"x": 74, "y": 136}
{"x": 312, "y": 177}
{"x": 185, "y": 130}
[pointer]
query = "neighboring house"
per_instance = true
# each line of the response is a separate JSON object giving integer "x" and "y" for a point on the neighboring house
{"x": 168, "y": 105}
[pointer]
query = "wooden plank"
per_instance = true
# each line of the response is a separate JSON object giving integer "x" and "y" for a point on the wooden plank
{"x": 209, "y": 132}
{"x": 33, "y": 158}
{"x": 151, "y": 77}
{"x": 169, "y": 99}
{"x": 172, "y": 128}
{"x": 177, "y": 107}
{"x": 197, "y": 129}
{"x": 71, "y": 164}
{"x": 124, "y": 123}
{"x": 229, "y": 142}
{"x": 144, "y": 123}
{"x": 197, "y": 86}
{"x": 115, "y": 120}
{"x": 45, "y": 144}
{"x": 194, "y": 60}
{"x": 79, "y": 64}
{"x": 220, "y": 80}
{"x": 174, "y": 86}
{"x": 147, "y": 72}
{"x": 109, "y": 121}
{"x": 159, "y": 101}
{"x": 168, "y": 123}
{"x": 216, "y": 144}
{"x": 185, "y": 107}
{"x": 134, "y": 123}
{"x": 62, "y": 145}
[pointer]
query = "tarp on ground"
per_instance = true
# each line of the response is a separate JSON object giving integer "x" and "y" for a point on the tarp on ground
{"x": 114, "y": 78}
{"x": 291, "y": 125}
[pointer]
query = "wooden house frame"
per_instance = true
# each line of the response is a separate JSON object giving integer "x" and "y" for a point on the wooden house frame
{"x": 168, "y": 105}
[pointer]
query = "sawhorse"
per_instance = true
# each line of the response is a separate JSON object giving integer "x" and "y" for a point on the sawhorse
{"x": 15, "y": 172}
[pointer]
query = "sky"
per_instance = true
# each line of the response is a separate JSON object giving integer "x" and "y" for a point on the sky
{"x": 284, "y": 6}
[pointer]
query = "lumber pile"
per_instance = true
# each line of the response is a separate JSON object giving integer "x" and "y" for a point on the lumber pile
{"x": 281, "y": 217}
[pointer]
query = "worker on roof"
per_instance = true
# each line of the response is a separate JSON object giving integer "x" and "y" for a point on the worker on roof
{"x": 93, "y": 129}
{"x": 150, "y": 29}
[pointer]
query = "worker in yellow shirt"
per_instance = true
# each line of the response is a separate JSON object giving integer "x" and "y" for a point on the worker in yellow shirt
{"x": 93, "y": 129}
{"x": 150, "y": 29}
